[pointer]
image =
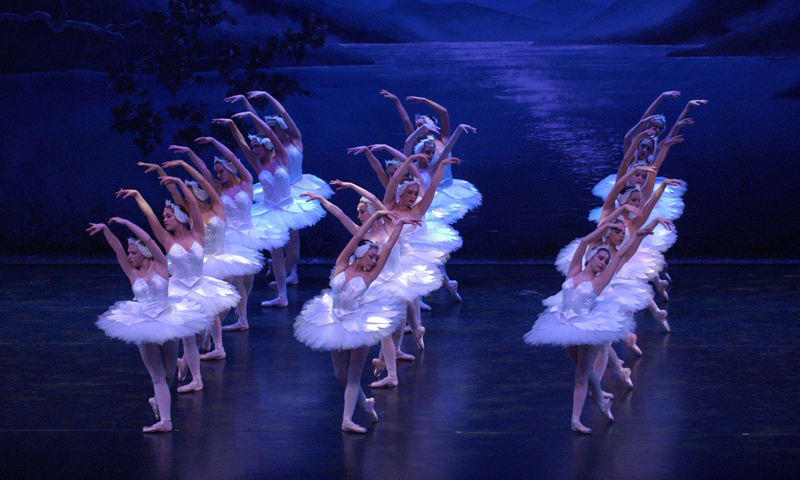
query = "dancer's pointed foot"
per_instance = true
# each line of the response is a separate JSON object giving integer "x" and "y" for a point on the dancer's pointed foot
{"x": 452, "y": 287}
{"x": 389, "y": 381}
{"x": 379, "y": 366}
{"x": 349, "y": 426}
{"x": 369, "y": 407}
{"x": 630, "y": 342}
{"x": 183, "y": 369}
{"x": 292, "y": 279}
{"x": 161, "y": 427}
{"x": 424, "y": 306}
{"x": 577, "y": 426}
{"x": 237, "y": 327}
{"x": 625, "y": 376}
{"x": 418, "y": 334}
{"x": 216, "y": 354}
{"x": 406, "y": 357}
{"x": 661, "y": 316}
{"x": 605, "y": 409}
{"x": 194, "y": 386}
{"x": 661, "y": 287}
{"x": 607, "y": 395}
{"x": 277, "y": 302}
{"x": 206, "y": 340}
{"x": 154, "y": 406}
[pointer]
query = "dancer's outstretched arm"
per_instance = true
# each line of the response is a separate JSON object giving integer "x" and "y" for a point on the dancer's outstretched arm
{"x": 213, "y": 197}
{"x": 610, "y": 203}
{"x": 240, "y": 142}
{"x": 199, "y": 164}
{"x": 383, "y": 257}
{"x": 116, "y": 245}
{"x": 448, "y": 148}
{"x": 647, "y": 190}
{"x": 337, "y": 212}
{"x": 281, "y": 154}
{"x": 241, "y": 170}
{"x": 444, "y": 117}
{"x": 421, "y": 208}
{"x": 163, "y": 236}
{"x": 173, "y": 190}
{"x": 630, "y": 153}
{"x": 652, "y": 201}
{"x": 344, "y": 258}
{"x": 397, "y": 154}
{"x": 650, "y": 226}
{"x": 636, "y": 130}
{"x": 412, "y": 139}
{"x": 576, "y": 265}
{"x": 623, "y": 254}
{"x": 159, "y": 260}
{"x": 373, "y": 162}
{"x": 647, "y": 116}
{"x": 391, "y": 189}
{"x": 198, "y": 229}
{"x": 292, "y": 130}
{"x": 244, "y": 101}
{"x": 407, "y": 125}
{"x": 340, "y": 185}
{"x": 616, "y": 213}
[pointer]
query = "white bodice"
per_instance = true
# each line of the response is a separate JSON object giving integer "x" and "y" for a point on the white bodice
{"x": 237, "y": 209}
{"x": 214, "y": 238}
{"x": 187, "y": 265}
{"x": 346, "y": 297}
{"x": 154, "y": 296}
{"x": 295, "y": 163}
{"x": 577, "y": 300}
{"x": 277, "y": 187}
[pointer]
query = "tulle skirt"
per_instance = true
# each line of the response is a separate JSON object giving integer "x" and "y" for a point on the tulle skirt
{"x": 213, "y": 295}
{"x": 669, "y": 206}
{"x": 128, "y": 322}
{"x": 453, "y": 199}
{"x": 379, "y": 314}
{"x": 232, "y": 261}
{"x": 306, "y": 183}
{"x": 291, "y": 214}
{"x": 409, "y": 280}
{"x": 266, "y": 236}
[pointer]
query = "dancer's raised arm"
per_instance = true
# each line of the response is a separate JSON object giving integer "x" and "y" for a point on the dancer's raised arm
{"x": 647, "y": 190}
{"x": 213, "y": 197}
{"x": 398, "y": 155}
{"x": 340, "y": 185}
{"x": 630, "y": 153}
{"x": 334, "y": 210}
{"x": 444, "y": 116}
{"x": 383, "y": 256}
{"x": 652, "y": 201}
{"x": 116, "y": 245}
{"x": 576, "y": 265}
{"x": 343, "y": 261}
{"x": 651, "y": 110}
{"x": 244, "y": 101}
{"x": 281, "y": 154}
{"x": 291, "y": 127}
{"x": 421, "y": 208}
{"x": 391, "y": 189}
{"x": 173, "y": 190}
{"x": 448, "y": 148}
{"x": 240, "y": 141}
{"x": 682, "y": 120}
{"x": 623, "y": 254}
{"x": 407, "y": 125}
{"x": 373, "y": 162}
{"x": 610, "y": 203}
{"x": 199, "y": 164}
{"x": 244, "y": 174}
{"x": 163, "y": 237}
{"x": 412, "y": 139}
{"x": 198, "y": 229}
{"x": 159, "y": 260}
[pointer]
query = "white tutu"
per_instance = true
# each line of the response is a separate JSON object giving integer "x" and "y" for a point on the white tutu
{"x": 279, "y": 207}
{"x": 225, "y": 261}
{"x": 408, "y": 280}
{"x": 240, "y": 230}
{"x": 348, "y": 316}
{"x": 422, "y": 250}
{"x": 453, "y": 198}
{"x": 188, "y": 281}
{"x": 152, "y": 318}
{"x": 579, "y": 318}
{"x": 669, "y": 206}
{"x": 306, "y": 183}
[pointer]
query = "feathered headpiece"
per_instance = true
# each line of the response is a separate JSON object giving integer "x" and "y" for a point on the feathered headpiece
{"x": 263, "y": 141}
{"x": 146, "y": 253}
{"x": 364, "y": 248}
{"x": 198, "y": 192}
{"x": 275, "y": 120}
{"x": 226, "y": 164}
{"x": 405, "y": 184}
{"x": 393, "y": 163}
{"x": 176, "y": 210}
{"x": 370, "y": 207}
{"x": 421, "y": 144}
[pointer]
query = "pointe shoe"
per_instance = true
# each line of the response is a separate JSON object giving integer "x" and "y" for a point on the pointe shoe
{"x": 292, "y": 279}
{"x": 278, "y": 302}
{"x": 154, "y": 406}
{"x": 605, "y": 409}
{"x": 183, "y": 369}
{"x": 407, "y": 329}
{"x": 661, "y": 316}
{"x": 424, "y": 306}
{"x": 216, "y": 354}
{"x": 194, "y": 386}
{"x": 661, "y": 287}
{"x": 388, "y": 382}
{"x": 577, "y": 426}
{"x": 162, "y": 426}
{"x": 369, "y": 407}
{"x": 379, "y": 367}
{"x": 452, "y": 287}
{"x": 406, "y": 357}
{"x": 236, "y": 327}
{"x": 625, "y": 376}
{"x": 418, "y": 334}
{"x": 349, "y": 426}
{"x": 630, "y": 342}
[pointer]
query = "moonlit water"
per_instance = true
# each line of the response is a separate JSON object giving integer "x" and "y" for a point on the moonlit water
{"x": 550, "y": 124}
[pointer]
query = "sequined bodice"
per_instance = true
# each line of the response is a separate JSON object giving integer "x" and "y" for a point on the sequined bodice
{"x": 295, "y": 163}
{"x": 214, "y": 239}
{"x": 346, "y": 296}
{"x": 277, "y": 187}
{"x": 577, "y": 300}
{"x": 187, "y": 265}
{"x": 237, "y": 209}
{"x": 153, "y": 297}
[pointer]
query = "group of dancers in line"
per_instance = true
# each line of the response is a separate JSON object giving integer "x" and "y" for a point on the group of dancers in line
{"x": 215, "y": 226}
{"x": 608, "y": 271}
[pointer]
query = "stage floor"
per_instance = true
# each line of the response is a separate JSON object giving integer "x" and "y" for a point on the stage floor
{"x": 718, "y": 397}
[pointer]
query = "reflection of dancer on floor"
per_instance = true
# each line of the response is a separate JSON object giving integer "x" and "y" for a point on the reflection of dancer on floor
{"x": 582, "y": 322}
{"x": 353, "y": 315}
{"x": 151, "y": 321}
{"x": 184, "y": 247}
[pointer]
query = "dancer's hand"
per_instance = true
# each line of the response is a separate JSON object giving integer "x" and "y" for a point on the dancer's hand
{"x": 684, "y": 122}
{"x": 632, "y": 209}
{"x": 256, "y": 94}
{"x": 150, "y": 167}
{"x": 673, "y": 140}
{"x": 665, "y": 223}
{"x": 697, "y": 103}
{"x": 643, "y": 232}
{"x": 647, "y": 133}
{"x": 180, "y": 149}
{"x": 643, "y": 169}
{"x": 235, "y": 98}
{"x": 95, "y": 228}
{"x": 420, "y": 156}
{"x": 450, "y": 161}
{"x": 174, "y": 163}
{"x": 222, "y": 121}
{"x": 377, "y": 146}
{"x": 433, "y": 128}
{"x": 671, "y": 93}
{"x": 117, "y": 220}
{"x": 674, "y": 182}
{"x": 310, "y": 197}
{"x": 167, "y": 180}
{"x": 388, "y": 95}
{"x": 202, "y": 140}
{"x": 127, "y": 193}
{"x": 466, "y": 128}
{"x": 243, "y": 115}
{"x": 415, "y": 99}
{"x": 340, "y": 185}
{"x": 357, "y": 150}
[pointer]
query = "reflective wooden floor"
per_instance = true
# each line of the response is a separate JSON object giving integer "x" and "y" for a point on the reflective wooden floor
{"x": 718, "y": 397}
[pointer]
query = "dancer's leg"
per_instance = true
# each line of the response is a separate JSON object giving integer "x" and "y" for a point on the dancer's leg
{"x": 415, "y": 316}
{"x": 388, "y": 354}
{"x": 292, "y": 257}
{"x": 615, "y": 363}
{"x": 585, "y": 379}
{"x": 152, "y": 358}
{"x": 397, "y": 335}
{"x": 241, "y": 309}
{"x": 216, "y": 334}
{"x": 279, "y": 269}
{"x": 353, "y": 394}
{"x": 192, "y": 357}
{"x": 660, "y": 315}
{"x": 601, "y": 362}
{"x": 169, "y": 357}
{"x": 450, "y": 285}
